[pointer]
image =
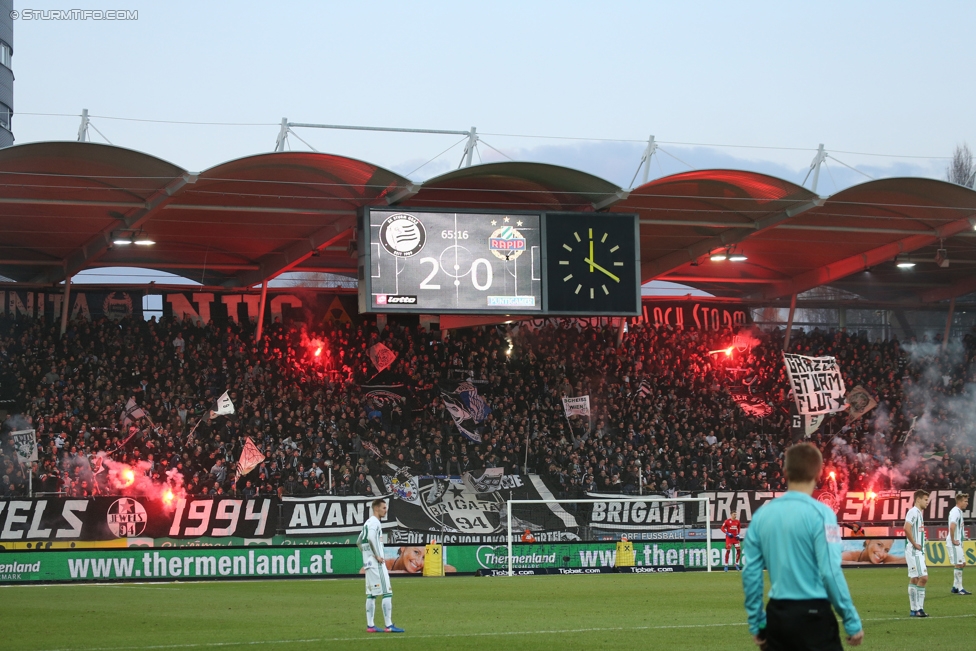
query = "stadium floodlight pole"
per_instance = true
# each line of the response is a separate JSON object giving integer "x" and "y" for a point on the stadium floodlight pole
{"x": 789, "y": 324}
{"x": 948, "y": 328}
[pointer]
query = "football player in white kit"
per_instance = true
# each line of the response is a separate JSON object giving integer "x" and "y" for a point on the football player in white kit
{"x": 370, "y": 541}
{"x": 954, "y": 537}
{"x": 918, "y": 574}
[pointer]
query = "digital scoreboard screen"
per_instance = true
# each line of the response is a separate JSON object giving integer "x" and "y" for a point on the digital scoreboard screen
{"x": 442, "y": 262}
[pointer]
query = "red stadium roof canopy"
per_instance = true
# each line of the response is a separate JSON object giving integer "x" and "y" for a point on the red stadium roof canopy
{"x": 248, "y": 220}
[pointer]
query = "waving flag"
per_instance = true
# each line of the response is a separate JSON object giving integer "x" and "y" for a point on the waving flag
{"x": 474, "y": 403}
{"x": 381, "y": 356}
{"x": 132, "y": 412}
{"x": 462, "y": 417}
{"x": 251, "y": 457}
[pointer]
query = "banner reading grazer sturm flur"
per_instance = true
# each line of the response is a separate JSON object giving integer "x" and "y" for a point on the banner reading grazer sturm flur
{"x": 818, "y": 387}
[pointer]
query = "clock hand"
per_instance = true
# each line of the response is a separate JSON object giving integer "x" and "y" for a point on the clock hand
{"x": 591, "y": 254}
{"x": 590, "y": 262}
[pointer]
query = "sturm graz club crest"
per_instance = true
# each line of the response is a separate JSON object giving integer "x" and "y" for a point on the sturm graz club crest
{"x": 402, "y": 235}
{"x": 126, "y": 517}
{"x": 117, "y": 306}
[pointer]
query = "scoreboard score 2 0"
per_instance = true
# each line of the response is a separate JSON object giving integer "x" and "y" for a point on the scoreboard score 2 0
{"x": 442, "y": 262}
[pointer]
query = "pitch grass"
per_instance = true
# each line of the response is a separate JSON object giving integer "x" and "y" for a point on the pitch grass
{"x": 679, "y": 611}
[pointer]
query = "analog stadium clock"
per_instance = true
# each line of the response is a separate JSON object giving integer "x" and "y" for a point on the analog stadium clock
{"x": 592, "y": 263}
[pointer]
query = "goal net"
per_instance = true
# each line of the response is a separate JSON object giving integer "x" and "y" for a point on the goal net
{"x": 585, "y": 535}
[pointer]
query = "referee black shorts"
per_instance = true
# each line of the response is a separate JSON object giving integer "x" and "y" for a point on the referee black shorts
{"x": 801, "y": 625}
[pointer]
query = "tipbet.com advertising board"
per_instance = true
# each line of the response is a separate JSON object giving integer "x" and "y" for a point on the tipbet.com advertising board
{"x": 442, "y": 262}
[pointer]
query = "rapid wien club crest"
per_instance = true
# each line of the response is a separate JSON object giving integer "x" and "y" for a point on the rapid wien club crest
{"x": 506, "y": 243}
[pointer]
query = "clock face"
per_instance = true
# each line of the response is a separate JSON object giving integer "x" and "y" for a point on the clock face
{"x": 592, "y": 263}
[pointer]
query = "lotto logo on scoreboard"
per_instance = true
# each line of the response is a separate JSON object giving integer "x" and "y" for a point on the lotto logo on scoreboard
{"x": 395, "y": 299}
{"x": 506, "y": 243}
{"x": 403, "y": 235}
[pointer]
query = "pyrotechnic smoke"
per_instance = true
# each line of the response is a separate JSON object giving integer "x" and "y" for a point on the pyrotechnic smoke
{"x": 133, "y": 480}
{"x": 939, "y": 411}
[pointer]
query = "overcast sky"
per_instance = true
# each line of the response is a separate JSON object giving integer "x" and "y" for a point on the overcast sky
{"x": 873, "y": 77}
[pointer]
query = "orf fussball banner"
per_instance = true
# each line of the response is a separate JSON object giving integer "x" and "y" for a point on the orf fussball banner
{"x": 816, "y": 382}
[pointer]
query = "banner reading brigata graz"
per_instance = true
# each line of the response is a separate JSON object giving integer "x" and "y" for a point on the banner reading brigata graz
{"x": 86, "y": 305}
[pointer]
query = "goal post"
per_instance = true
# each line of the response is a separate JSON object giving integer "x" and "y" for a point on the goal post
{"x": 680, "y": 524}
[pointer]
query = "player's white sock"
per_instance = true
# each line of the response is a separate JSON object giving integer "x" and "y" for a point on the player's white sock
{"x": 920, "y": 597}
{"x": 388, "y": 610}
{"x": 957, "y": 579}
{"x": 912, "y": 599}
{"x": 370, "y": 611}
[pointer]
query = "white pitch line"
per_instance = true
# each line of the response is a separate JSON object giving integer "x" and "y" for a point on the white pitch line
{"x": 375, "y": 636}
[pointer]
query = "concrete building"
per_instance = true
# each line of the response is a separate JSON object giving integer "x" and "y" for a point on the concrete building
{"x": 6, "y": 73}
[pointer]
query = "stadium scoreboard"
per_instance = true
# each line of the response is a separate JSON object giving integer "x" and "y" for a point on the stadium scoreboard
{"x": 469, "y": 262}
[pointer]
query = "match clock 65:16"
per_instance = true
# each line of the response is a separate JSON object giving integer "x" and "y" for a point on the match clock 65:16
{"x": 592, "y": 263}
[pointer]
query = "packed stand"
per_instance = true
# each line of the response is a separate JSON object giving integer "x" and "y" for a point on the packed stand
{"x": 663, "y": 418}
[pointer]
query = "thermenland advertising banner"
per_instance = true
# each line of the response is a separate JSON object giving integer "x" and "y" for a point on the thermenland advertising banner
{"x": 85, "y": 305}
{"x": 292, "y": 305}
{"x": 891, "y": 551}
{"x": 471, "y": 558}
{"x": 179, "y": 564}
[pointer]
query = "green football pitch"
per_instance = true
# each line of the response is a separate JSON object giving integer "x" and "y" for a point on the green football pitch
{"x": 677, "y": 611}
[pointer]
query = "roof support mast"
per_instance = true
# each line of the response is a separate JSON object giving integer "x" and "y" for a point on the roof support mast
{"x": 818, "y": 160}
{"x": 469, "y": 147}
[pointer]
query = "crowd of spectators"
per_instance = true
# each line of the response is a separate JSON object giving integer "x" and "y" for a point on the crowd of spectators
{"x": 663, "y": 418}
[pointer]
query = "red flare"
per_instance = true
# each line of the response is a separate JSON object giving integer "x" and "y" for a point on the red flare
{"x": 832, "y": 475}
{"x": 128, "y": 477}
{"x": 872, "y": 495}
{"x": 168, "y": 497}
{"x": 318, "y": 351}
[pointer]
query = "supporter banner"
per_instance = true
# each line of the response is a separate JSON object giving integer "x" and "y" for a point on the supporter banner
{"x": 451, "y": 510}
{"x": 854, "y": 506}
{"x": 818, "y": 387}
{"x": 108, "y": 518}
{"x": 698, "y": 315}
{"x": 293, "y": 305}
{"x": 85, "y": 305}
{"x": 25, "y": 444}
{"x": 471, "y": 509}
{"x": 577, "y": 406}
{"x": 304, "y": 516}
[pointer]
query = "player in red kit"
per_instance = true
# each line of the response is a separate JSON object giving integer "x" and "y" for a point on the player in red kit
{"x": 732, "y": 529}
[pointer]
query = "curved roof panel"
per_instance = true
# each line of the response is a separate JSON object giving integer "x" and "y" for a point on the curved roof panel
{"x": 687, "y": 216}
{"x": 248, "y": 220}
{"x": 57, "y": 196}
{"x": 515, "y": 186}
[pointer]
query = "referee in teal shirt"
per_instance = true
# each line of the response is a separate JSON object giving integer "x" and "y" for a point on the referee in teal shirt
{"x": 797, "y": 539}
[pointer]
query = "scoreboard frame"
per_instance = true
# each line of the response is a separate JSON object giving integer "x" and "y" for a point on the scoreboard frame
{"x": 551, "y": 234}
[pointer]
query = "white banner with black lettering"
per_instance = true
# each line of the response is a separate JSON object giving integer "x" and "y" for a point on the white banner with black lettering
{"x": 577, "y": 406}
{"x": 818, "y": 387}
{"x": 26, "y": 445}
